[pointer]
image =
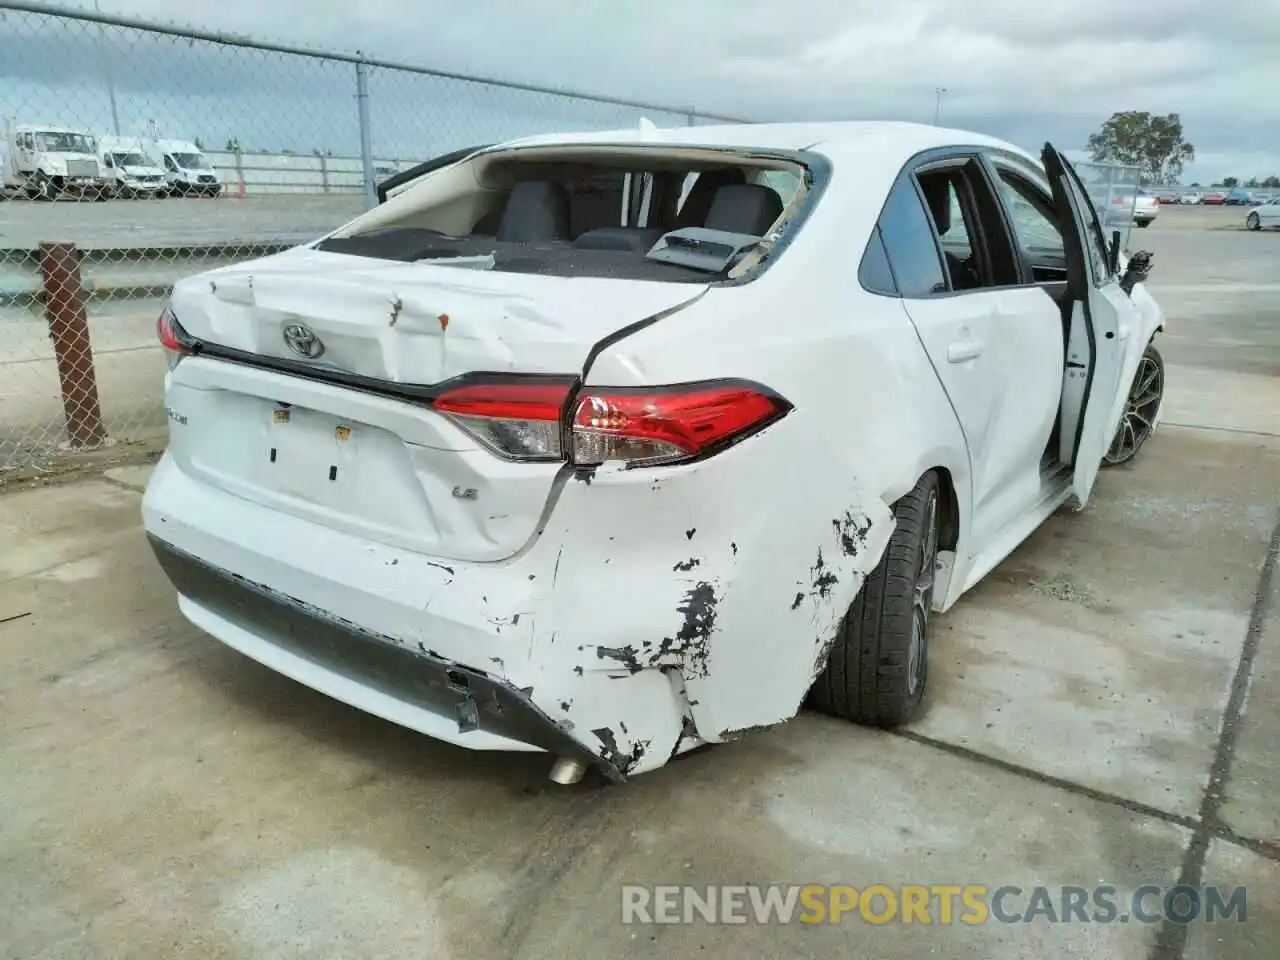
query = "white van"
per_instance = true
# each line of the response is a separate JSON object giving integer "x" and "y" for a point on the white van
{"x": 187, "y": 170}
{"x": 46, "y": 161}
{"x": 127, "y": 167}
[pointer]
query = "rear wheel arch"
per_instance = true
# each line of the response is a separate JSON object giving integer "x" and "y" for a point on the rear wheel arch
{"x": 949, "y": 510}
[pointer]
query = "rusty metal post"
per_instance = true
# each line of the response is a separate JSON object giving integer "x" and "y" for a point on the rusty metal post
{"x": 64, "y": 305}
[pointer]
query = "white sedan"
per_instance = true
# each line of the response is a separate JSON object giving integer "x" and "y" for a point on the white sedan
{"x": 1264, "y": 215}
{"x": 552, "y": 451}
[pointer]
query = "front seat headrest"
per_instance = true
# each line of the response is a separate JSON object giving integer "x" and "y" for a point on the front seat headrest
{"x": 697, "y": 205}
{"x": 748, "y": 208}
{"x": 536, "y": 211}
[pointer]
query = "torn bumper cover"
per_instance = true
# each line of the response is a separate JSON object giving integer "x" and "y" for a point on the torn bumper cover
{"x": 476, "y": 700}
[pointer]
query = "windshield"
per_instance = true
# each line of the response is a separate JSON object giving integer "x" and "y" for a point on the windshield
{"x": 129, "y": 160}
{"x": 192, "y": 161}
{"x": 65, "y": 143}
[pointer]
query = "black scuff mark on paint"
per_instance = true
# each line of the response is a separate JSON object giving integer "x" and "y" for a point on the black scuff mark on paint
{"x": 824, "y": 654}
{"x": 693, "y": 640}
{"x": 392, "y": 562}
{"x": 531, "y": 576}
{"x": 852, "y": 531}
{"x": 515, "y": 619}
{"x": 623, "y": 762}
{"x": 795, "y": 604}
{"x": 729, "y": 735}
{"x": 734, "y": 548}
{"x": 441, "y": 566}
{"x": 396, "y": 306}
{"x": 688, "y": 534}
{"x": 628, "y": 656}
{"x": 578, "y": 670}
{"x": 565, "y": 705}
{"x": 684, "y": 566}
{"x": 823, "y": 578}
{"x": 556, "y": 572}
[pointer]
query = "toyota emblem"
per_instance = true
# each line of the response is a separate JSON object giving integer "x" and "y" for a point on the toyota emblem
{"x": 303, "y": 341}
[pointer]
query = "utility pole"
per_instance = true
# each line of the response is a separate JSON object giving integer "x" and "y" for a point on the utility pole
{"x": 111, "y": 83}
{"x": 366, "y": 135}
{"x": 937, "y": 104}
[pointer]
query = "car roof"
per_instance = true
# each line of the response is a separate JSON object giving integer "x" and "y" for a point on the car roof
{"x": 893, "y": 141}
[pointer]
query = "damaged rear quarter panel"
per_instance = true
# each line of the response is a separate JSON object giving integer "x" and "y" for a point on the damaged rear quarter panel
{"x": 689, "y": 571}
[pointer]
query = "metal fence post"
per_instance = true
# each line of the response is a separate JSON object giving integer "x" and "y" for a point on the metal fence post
{"x": 324, "y": 173}
{"x": 64, "y": 305}
{"x": 366, "y": 136}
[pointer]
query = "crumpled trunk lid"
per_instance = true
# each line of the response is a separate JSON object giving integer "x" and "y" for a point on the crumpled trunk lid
{"x": 293, "y": 433}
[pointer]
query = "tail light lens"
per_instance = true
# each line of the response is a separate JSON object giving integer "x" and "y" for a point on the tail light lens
{"x": 175, "y": 340}
{"x": 668, "y": 424}
{"x": 640, "y": 427}
{"x": 518, "y": 421}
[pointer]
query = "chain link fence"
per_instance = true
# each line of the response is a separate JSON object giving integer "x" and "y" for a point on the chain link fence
{"x": 135, "y": 154}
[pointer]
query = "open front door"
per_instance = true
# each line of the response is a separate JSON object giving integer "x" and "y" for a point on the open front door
{"x": 1101, "y": 323}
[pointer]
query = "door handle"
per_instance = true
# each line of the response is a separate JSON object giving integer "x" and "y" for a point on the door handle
{"x": 961, "y": 351}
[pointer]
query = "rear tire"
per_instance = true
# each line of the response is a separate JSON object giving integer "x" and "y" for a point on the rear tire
{"x": 878, "y": 667}
{"x": 1144, "y": 223}
{"x": 1253, "y": 222}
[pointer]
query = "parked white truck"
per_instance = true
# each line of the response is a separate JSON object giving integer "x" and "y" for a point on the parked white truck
{"x": 187, "y": 170}
{"x": 127, "y": 167}
{"x": 47, "y": 161}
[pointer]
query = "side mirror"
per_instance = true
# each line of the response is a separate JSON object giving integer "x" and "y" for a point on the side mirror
{"x": 1138, "y": 270}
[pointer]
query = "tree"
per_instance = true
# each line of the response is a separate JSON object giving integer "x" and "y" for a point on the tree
{"x": 1137, "y": 138}
{"x": 1230, "y": 182}
{"x": 1271, "y": 181}
{"x": 199, "y": 144}
{"x": 233, "y": 145}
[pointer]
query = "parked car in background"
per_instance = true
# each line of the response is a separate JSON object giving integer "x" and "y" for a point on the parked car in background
{"x": 1239, "y": 198}
{"x": 1191, "y": 198}
{"x": 1264, "y": 215}
{"x": 1141, "y": 207}
{"x": 523, "y": 513}
{"x": 45, "y": 162}
{"x": 1216, "y": 198}
{"x": 187, "y": 170}
{"x": 127, "y": 167}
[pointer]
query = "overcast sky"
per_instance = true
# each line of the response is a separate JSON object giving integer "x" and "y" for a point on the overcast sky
{"x": 1026, "y": 71}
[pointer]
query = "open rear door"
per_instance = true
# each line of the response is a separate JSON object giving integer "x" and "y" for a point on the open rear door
{"x": 1101, "y": 323}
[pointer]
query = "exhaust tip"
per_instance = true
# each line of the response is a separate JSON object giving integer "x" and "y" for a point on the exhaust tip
{"x": 567, "y": 771}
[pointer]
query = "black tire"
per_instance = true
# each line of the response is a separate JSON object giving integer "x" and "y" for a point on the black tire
{"x": 1253, "y": 222}
{"x": 1141, "y": 406}
{"x": 1143, "y": 223}
{"x": 45, "y": 189}
{"x": 878, "y": 667}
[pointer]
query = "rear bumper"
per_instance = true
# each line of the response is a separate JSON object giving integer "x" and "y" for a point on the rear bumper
{"x": 417, "y": 689}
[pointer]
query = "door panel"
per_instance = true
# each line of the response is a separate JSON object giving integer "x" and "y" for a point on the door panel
{"x": 1100, "y": 338}
{"x": 998, "y": 354}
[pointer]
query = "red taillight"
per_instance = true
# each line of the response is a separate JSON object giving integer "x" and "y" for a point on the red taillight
{"x": 667, "y": 424}
{"x": 517, "y": 420}
{"x": 173, "y": 338}
{"x": 644, "y": 426}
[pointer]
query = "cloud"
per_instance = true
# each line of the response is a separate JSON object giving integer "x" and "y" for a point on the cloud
{"x": 1052, "y": 69}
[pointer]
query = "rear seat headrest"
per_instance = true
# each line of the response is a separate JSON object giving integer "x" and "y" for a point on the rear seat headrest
{"x": 748, "y": 208}
{"x": 536, "y": 211}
